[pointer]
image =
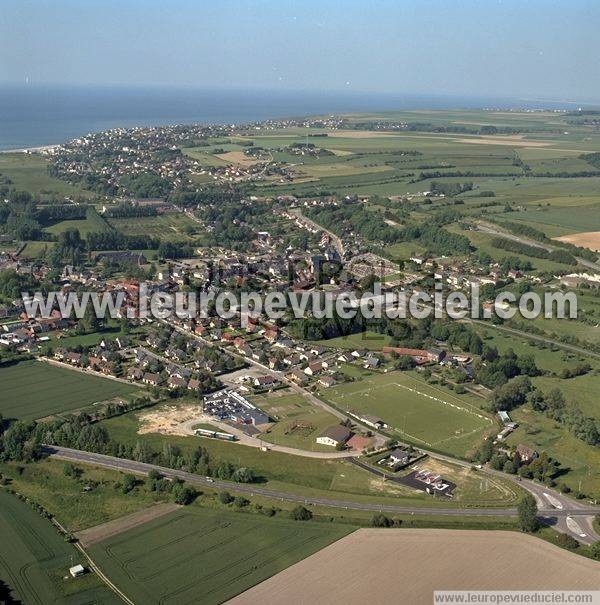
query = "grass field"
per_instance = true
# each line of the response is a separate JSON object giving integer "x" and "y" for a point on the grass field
{"x": 426, "y": 414}
{"x": 29, "y": 173}
{"x": 299, "y": 422}
{"x": 84, "y": 226}
{"x": 35, "y": 558}
{"x": 46, "y": 483}
{"x": 33, "y": 389}
{"x": 372, "y": 341}
{"x": 578, "y": 460}
{"x": 202, "y": 556}
{"x": 309, "y": 476}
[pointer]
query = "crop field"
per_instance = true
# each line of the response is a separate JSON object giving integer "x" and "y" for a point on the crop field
{"x": 32, "y": 389}
{"x": 35, "y": 558}
{"x": 561, "y": 220}
{"x": 299, "y": 422}
{"x": 365, "y": 567}
{"x": 426, "y": 414}
{"x": 166, "y": 227}
{"x": 203, "y": 556}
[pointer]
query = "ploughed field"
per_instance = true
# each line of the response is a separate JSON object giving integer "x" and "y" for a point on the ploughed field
{"x": 370, "y": 565}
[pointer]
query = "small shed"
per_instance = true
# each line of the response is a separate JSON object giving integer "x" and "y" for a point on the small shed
{"x": 77, "y": 570}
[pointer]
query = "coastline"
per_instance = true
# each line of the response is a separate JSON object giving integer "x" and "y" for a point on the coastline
{"x": 39, "y": 149}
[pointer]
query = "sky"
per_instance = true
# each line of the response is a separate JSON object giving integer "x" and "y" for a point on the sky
{"x": 537, "y": 49}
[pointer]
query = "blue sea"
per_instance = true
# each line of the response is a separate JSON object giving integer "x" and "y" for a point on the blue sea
{"x": 35, "y": 115}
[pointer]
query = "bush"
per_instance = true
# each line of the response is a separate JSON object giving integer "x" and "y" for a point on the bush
{"x": 240, "y": 501}
{"x": 380, "y": 520}
{"x": 225, "y": 498}
{"x": 595, "y": 550}
{"x": 185, "y": 495}
{"x": 566, "y": 541}
{"x": 300, "y": 513}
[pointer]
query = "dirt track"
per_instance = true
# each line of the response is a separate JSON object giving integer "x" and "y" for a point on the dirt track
{"x": 96, "y": 534}
{"x": 405, "y": 566}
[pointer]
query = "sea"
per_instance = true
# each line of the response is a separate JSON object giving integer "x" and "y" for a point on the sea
{"x": 36, "y": 115}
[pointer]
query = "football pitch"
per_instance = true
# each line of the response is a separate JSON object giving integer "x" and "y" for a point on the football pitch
{"x": 415, "y": 410}
{"x": 33, "y": 389}
{"x": 204, "y": 556}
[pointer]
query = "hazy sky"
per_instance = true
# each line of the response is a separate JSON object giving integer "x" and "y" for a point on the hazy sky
{"x": 532, "y": 48}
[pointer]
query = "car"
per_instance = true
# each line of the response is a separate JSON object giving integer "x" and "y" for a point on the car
{"x": 210, "y": 479}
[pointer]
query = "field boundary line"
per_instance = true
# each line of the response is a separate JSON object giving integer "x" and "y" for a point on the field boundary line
{"x": 93, "y": 565}
{"x": 102, "y": 576}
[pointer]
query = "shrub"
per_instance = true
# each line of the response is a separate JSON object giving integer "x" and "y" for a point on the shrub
{"x": 300, "y": 513}
{"x": 225, "y": 498}
{"x": 566, "y": 541}
{"x": 380, "y": 520}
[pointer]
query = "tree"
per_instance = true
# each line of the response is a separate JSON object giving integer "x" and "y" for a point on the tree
{"x": 129, "y": 483}
{"x": 6, "y": 596}
{"x": 380, "y": 520}
{"x": 225, "y": 498}
{"x": 243, "y": 475}
{"x": 300, "y": 513}
{"x": 184, "y": 494}
{"x": 527, "y": 510}
{"x": 595, "y": 550}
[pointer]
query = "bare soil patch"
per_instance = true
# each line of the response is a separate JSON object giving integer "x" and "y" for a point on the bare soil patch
{"x": 96, "y": 534}
{"x": 504, "y": 140}
{"x": 237, "y": 157}
{"x": 588, "y": 239}
{"x": 370, "y": 565}
{"x": 167, "y": 420}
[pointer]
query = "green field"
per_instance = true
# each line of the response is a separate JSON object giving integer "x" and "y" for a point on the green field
{"x": 30, "y": 173}
{"x": 46, "y": 483}
{"x": 202, "y": 556}
{"x": 35, "y": 558}
{"x": 84, "y": 226}
{"x": 33, "y": 389}
{"x": 578, "y": 460}
{"x": 295, "y": 474}
{"x": 299, "y": 422}
{"x": 428, "y": 415}
{"x": 168, "y": 227}
{"x": 373, "y": 341}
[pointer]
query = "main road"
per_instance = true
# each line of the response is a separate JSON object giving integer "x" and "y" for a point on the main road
{"x": 567, "y": 515}
{"x": 574, "y": 517}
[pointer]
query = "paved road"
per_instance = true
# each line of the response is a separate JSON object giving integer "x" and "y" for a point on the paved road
{"x": 578, "y": 512}
{"x": 245, "y": 439}
{"x": 553, "y": 516}
{"x": 335, "y": 239}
